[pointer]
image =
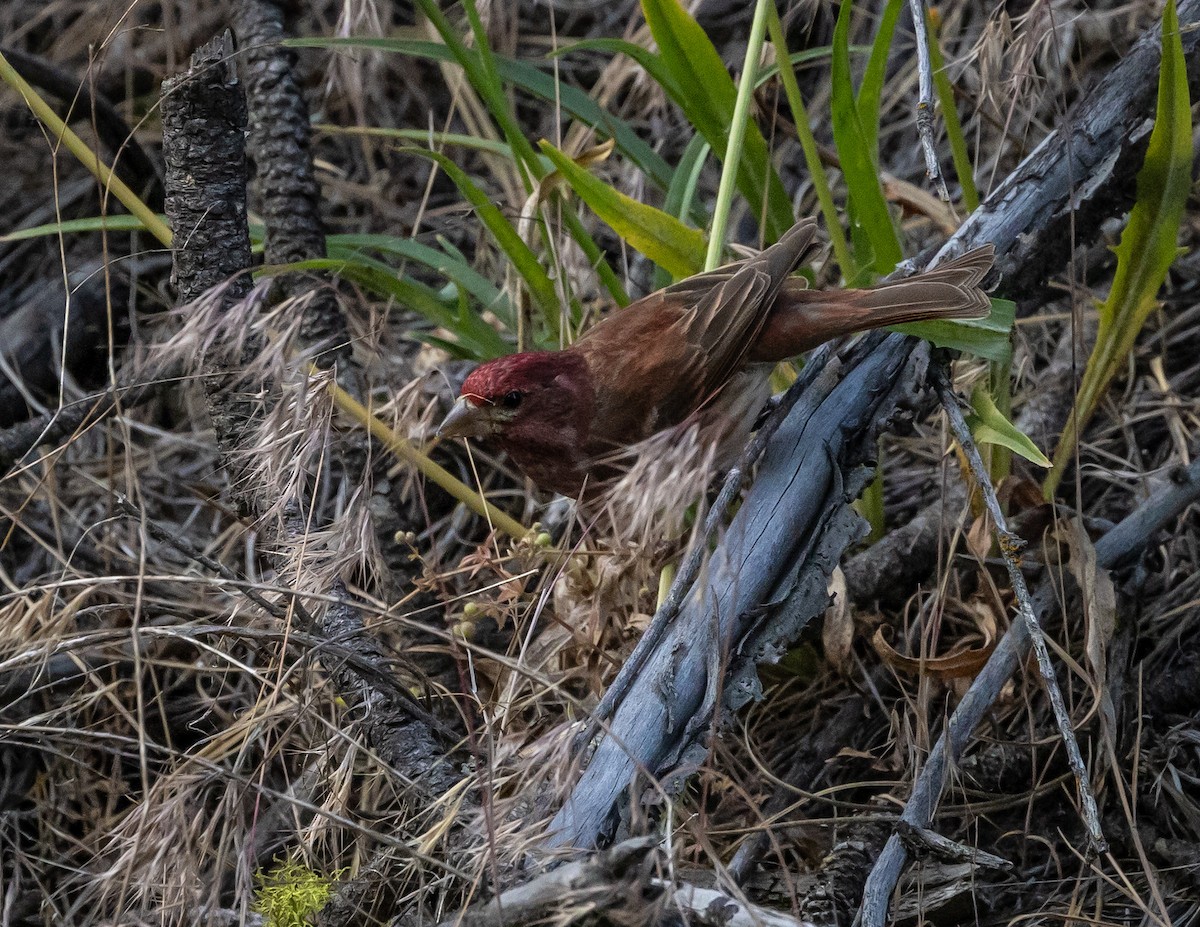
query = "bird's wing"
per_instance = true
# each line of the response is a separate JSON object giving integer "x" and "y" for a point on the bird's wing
{"x": 666, "y": 355}
{"x": 723, "y": 323}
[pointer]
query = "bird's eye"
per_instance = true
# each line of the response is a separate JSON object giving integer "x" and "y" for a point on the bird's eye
{"x": 512, "y": 399}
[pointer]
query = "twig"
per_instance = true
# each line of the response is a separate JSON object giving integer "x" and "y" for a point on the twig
{"x": 813, "y": 754}
{"x": 690, "y": 568}
{"x": 1010, "y": 548}
{"x": 183, "y": 545}
{"x": 925, "y": 99}
{"x": 18, "y": 441}
{"x": 921, "y": 840}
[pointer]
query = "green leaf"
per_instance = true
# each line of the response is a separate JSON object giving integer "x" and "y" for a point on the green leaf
{"x": 871, "y": 222}
{"x": 453, "y": 267}
{"x": 1148, "y": 245}
{"x": 989, "y": 426}
{"x": 707, "y": 95}
{"x": 870, "y": 91}
{"x": 532, "y": 80}
{"x": 474, "y": 337}
{"x": 524, "y": 260}
{"x": 658, "y": 235}
{"x": 987, "y": 338}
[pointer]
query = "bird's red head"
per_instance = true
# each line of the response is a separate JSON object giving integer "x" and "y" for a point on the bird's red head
{"x": 531, "y": 395}
{"x": 507, "y": 381}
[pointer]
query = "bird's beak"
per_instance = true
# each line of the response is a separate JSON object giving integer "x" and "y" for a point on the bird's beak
{"x": 465, "y": 420}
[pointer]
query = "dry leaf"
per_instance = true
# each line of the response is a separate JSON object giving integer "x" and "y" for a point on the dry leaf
{"x": 1099, "y": 600}
{"x": 958, "y": 664}
{"x": 979, "y": 537}
{"x": 837, "y": 633}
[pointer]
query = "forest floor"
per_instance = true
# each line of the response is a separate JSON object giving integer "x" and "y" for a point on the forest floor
{"x": 179, "y": 741}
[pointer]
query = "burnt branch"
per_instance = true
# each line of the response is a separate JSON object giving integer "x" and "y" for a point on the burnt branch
{"x": 279, "y": 143}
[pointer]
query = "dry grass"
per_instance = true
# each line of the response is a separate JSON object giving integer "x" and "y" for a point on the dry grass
{"x": 163, "y": 735}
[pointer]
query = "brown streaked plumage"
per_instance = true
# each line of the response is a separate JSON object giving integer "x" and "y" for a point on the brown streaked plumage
{"x": 561, "y": 415}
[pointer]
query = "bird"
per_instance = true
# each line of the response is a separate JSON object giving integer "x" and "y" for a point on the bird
{"x": 565, "y": 417}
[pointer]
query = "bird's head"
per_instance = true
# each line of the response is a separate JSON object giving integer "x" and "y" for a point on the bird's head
{"x": 535, "y": 395}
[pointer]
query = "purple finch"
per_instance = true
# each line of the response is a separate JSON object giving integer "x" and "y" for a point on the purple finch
{"x": 562, "y": 415}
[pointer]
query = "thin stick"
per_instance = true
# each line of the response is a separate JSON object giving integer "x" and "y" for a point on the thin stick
{"x": 1010, "y": 548}
{"x": 925, "y": 99}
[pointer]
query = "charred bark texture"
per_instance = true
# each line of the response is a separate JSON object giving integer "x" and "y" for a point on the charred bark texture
{"x": 280, "y": 148}
{"x": 204, "y": 124}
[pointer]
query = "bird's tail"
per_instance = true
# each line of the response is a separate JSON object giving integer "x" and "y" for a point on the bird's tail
{"x": 803, "y": 319}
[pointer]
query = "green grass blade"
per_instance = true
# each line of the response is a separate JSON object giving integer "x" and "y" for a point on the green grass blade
{"x": 680, "y": 200}
{"x": 681, "y": 194}
{"x": 656, "y": 234}
{"x": 541, "y": 287}
{"x": 808, "y": 143}
{"x": 869, "y": 214}
{"x": 708, "y": 97}
{"x": 116, "y": 223}
{"x": 1148, "y": 245}
{"x": 652, "y": 63}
